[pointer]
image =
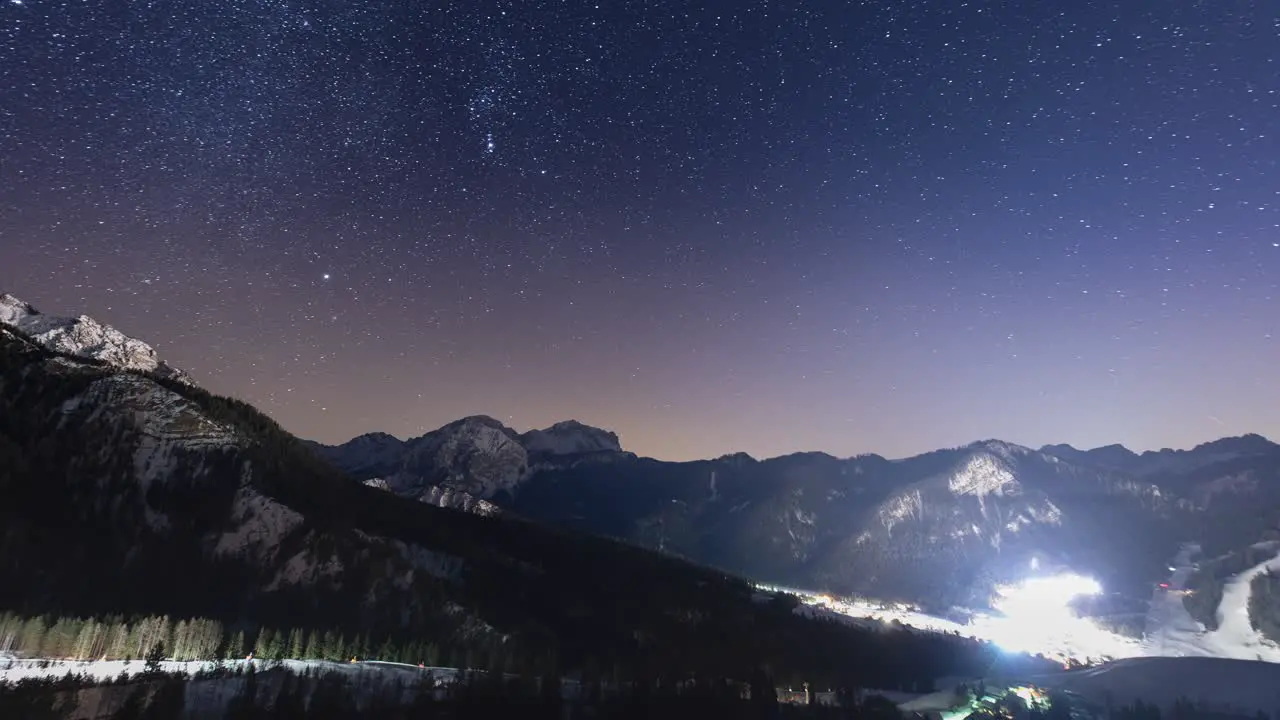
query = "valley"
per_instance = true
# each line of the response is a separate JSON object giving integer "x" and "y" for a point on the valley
{"x": 557, "y": 551}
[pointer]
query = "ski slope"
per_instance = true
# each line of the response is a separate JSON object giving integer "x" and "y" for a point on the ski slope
{"x": 1172, "y": 632}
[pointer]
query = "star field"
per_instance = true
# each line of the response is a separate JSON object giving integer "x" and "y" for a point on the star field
{"x": 755, "y": 225}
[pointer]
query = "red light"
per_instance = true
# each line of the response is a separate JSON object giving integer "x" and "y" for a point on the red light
{"x": 1164, "y": 585}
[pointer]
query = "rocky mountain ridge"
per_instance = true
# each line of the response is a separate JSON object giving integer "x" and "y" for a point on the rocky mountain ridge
{"x": 113, "y": 479}
{"x": 1168, "y": 461}
{"x": 82, "y": 336}
{"x": 477, "y": 456}
{"x": 964, "y": 518}
{"x": 960, "y": 519}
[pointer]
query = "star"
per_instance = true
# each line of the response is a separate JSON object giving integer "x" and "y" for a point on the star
{"x": 664, "y": 201}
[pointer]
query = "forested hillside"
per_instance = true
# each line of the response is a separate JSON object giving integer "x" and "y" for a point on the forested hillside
{"x": 127, "y": 495}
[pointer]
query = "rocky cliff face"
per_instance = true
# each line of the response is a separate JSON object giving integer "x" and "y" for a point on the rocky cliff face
{"x": 115, "y": 480}
{"x": 85, "y": 337}
{"x": 160, "y": 483}
{"x": 570, "y": 438}
{"x": 944, "y": 527}
{"x": 476, "y": 456}
{"x": 129, "y": 492}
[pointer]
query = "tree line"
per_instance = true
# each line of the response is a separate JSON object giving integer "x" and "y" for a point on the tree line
{"x": 246, "y": 693}
{"x": 205, "y": 639}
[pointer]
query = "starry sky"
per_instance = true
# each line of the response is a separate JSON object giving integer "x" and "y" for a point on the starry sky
{"x": 731, "y": 225}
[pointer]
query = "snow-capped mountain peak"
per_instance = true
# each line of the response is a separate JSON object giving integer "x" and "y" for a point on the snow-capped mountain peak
{"x": 85, "y": 337}
{"x": 981, "y": 474}
{"x": 570, "y": 437}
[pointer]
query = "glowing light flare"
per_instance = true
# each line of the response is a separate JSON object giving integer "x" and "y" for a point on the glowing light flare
{"x": 1035, "y": 618}
{"x": 1036, "y": 615}
{"x": 1044, "y": 594}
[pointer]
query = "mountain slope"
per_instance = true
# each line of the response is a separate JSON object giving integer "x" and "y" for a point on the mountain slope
{"x": 111, "y": 479}
{"x": 1167, "y": 463}
{"x": 570, "y": 437}
{"x": 941, "y": 528}
{"x": 477, "y": 457}
{"x": 993, "y": 513}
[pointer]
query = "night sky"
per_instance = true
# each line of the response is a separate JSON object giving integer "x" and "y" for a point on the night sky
{"x": 760, "y": 226}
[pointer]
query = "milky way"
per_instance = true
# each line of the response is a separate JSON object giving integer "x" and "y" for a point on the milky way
{"x": 756, "y": 226}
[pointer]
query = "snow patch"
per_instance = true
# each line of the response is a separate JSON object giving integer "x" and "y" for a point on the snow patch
{"x": 85, "y": 337}
{"x": 982, "y": 475}
{"x": 260, "y": 523}
{"x": 305, "y": 568}
{"x": 900, "y": 508}
{"x": 169, "y": 429}
{"x": 450, "y": 498}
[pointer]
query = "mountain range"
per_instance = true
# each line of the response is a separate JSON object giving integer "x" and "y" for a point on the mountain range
{"x": 943, "y": 528}
{"x": 940, "y": 528}
{"x": 128, "y": 490}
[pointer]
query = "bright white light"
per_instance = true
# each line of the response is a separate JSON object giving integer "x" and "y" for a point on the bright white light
{"x": 1035, "y": 617}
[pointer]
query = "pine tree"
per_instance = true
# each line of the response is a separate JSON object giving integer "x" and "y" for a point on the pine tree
{"x": 330, "y": 647}
{"x": 154, "y": 657}
{"x": 263, "y": 647}
{"x": 235, "y": 646}
{"x": 386, "y": 651}
{"x": 312, "y": 650}
{"x": 181, "y": 641}
{"x": 297, "y": 643}
{"x": 360, "y": 647}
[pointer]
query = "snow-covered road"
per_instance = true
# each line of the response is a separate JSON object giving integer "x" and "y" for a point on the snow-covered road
{"x": 1169, "y": 626}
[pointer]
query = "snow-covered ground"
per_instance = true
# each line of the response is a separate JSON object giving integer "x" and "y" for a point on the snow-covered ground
{"x": 1037, "y": 622}
{"x": 1172, "y": 632}
{"x": 1237, "y": 687}
{"x": 208, "y": 698}
{"x": 14, "y": 669}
